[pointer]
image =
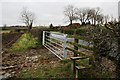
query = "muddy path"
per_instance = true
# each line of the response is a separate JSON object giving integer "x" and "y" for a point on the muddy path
{"x": 9, "y": 38}
{"x": 13, "y": 63}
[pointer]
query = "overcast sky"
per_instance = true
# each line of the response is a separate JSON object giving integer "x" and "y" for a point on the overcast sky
{"x": 50, "y": 11}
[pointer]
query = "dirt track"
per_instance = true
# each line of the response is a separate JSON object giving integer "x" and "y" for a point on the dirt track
{"x": 9, "y": 38}
{"x": 32, "y": 58}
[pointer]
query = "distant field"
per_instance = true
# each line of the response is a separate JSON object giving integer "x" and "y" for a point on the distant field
{"x": 4, "y": 31}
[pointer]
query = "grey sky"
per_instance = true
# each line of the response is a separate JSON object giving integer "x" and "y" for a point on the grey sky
{"x": 50, "y": 11}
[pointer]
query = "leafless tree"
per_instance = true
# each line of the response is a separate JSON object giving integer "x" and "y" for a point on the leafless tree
{"x": 97, "y": 11}
{"x": 106, "y": 19}
{"x": 86, "y": 14}
{"x": 89, "y": 13}
{"x": 69, "y": 12}
{"x": 112, "y": 18}
{"x": 100, "y": 19}
{"x": 4, "y": 25}
{"x": 92, "y": 14}
{"x": 28, "y": 18}
{"x": 82, "y": 14}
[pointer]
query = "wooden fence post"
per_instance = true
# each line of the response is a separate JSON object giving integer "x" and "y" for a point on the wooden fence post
{"x": 45, "y": 37}
{"x": 48, "y": 35}
{"x": 76, "y": 41}
{"x": 75, "y": 54}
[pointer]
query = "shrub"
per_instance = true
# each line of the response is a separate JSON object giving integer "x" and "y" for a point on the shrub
{"x": 81, "y": 32}
{"x": 51, "y": 26}
{"x": 70, "y": 31}
{"x": 38, "y": 32}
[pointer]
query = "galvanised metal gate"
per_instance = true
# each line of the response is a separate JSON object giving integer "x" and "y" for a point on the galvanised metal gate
{"x": 56, "y": 43}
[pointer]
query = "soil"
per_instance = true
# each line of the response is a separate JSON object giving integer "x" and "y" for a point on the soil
{"x": 13, "y": 63}
{"x": 9, "y": 38}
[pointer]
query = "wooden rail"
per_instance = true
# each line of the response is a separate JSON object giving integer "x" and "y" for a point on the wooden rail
{"x": 81, "y": 46}
{"x": 77, "y": 52}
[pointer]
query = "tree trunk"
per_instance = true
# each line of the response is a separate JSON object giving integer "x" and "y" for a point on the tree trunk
{"x": 94, "y": 22}
{"x": 30, "y": 27}
{"x": 70, "y": 22}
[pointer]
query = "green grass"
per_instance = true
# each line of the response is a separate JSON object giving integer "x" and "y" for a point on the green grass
{"x": 25, "y": 42}
{"x": 62, "y": 70}
{"x": 56, "y": 32}
{"x": 83, "y": 62}
{"x": 5, "y": 31}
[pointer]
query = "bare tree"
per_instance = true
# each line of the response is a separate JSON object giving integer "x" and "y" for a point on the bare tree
{"x": 100, "y": 19}
{"x": 81, "y": 14}
{"x": 92, "y": 15}
{"x": 4, "y": 25}
{"x": 89, "y": 13}
{"x": 69, "y": 12}
{"x": 97, "y": 12}
{"x": 106, "y": 19}
{"x": 112, "y": 18}
{"x": 84, "y": 14}
{"x": 28, "y": 18}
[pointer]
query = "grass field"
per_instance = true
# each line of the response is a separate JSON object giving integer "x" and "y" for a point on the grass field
{"x": 5, "y": 31}
{"x": 61, "y": 69}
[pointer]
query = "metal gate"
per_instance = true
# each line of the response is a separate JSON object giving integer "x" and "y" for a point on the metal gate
{"x": 56, "y": 43}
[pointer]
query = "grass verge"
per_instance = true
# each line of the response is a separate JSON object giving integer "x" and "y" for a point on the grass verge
{"x": 25, "y": 42}
{"x": 61, "y": 70}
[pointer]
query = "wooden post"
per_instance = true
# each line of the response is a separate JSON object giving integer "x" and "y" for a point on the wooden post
{"x": 79, "y": 74}
{"x": 76, "y": 42}
{"x": 46, "y": 35}
{"x": 75, "y": 54}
